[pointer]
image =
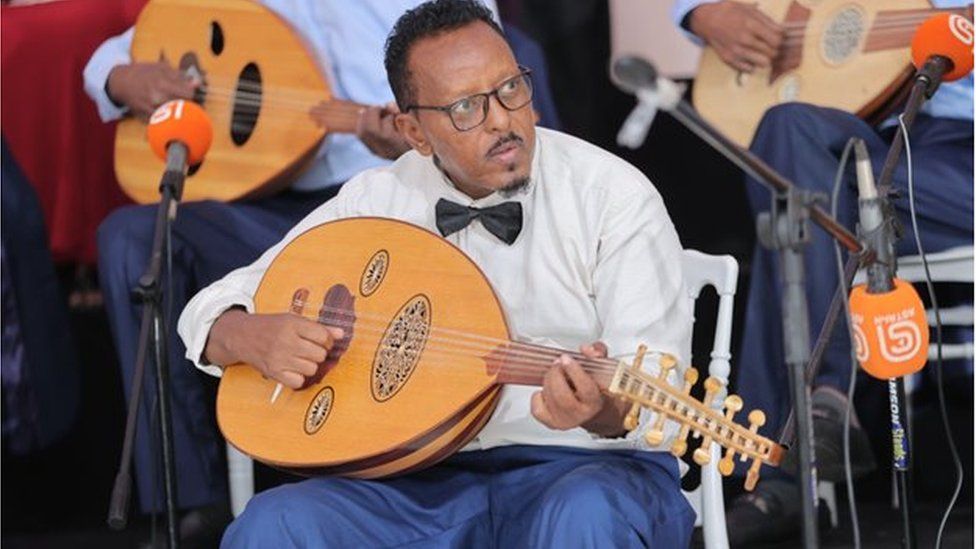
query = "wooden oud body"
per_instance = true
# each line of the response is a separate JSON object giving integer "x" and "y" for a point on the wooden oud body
{"x": 844, "y": 62}
{"x": 410, "y": 389}
{"x": 230, "y": 44}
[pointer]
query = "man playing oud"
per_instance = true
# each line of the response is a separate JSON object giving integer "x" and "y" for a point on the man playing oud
{"x": 579, "y": 248}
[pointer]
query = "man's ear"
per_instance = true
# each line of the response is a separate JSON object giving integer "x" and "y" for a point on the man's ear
{"x": 409, "y": 128}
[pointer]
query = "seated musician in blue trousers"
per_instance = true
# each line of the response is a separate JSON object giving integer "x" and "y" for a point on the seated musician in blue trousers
{"x": 580, "y": 250}
{"x": 804, "y": 143}
{"x": 212, "y": 238}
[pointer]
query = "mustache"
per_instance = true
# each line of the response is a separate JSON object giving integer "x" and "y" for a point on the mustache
{"x": 502, "y": 141}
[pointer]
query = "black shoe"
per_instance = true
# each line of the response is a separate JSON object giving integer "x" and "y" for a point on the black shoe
{"x": 199, "y": 528}
{"x": 203, "y": 527}
{"x": 770, "y": 514}
{"x": 828, "y": 408}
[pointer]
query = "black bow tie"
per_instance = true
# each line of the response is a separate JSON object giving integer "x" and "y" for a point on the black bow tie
{"x": 503, "y": 220}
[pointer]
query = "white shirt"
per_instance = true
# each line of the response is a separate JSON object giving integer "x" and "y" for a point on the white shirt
{"x": 598, "y": 259}
{"x": 346, "y": 38}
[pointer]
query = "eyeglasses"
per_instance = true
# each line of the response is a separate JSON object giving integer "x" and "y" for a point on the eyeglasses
{"x": 470, "y": 112}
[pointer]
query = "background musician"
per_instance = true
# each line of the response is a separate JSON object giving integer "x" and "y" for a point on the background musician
{"x": 582, "y": 250}
{"x": 212, "y": 238}
{"x": 804, "y": 142}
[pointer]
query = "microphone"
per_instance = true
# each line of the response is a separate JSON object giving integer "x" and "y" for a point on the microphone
{"x": 947, "y": 40}
{"x": 179, "y": 133}
{"x": 635, "y": 75}
{"x": 891, "y": 334}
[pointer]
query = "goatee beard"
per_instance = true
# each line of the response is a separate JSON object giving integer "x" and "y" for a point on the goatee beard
{"x": 514, "y": 187}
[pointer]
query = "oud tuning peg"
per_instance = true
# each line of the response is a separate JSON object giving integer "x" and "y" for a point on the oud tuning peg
{"x": 639, "y": 357}
{"x": 633, "y": 416}
{"x": 655, "y": 435}
{"x": 752, "y": 477}
{"x": 712, "y": 388}
{"x": 680, "y": 444}
{"x": 666, "y": 363}
{"x": 732, "y": 404}
{"x": 756, "y": 420}
{"x": 726, "y": 465}
{"x": 702, "y": 455}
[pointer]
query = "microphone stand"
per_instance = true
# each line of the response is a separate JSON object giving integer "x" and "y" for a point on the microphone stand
{"x": 880, "y": 275}
{"x": 784, "y": 229}
{"x": 880, "y": 272}
{"x": 153, "y": 333}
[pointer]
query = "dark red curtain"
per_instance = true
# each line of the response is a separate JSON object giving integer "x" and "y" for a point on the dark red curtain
{"x": 51, "y": 126}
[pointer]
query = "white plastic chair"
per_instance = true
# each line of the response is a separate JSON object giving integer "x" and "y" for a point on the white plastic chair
{"x": 240, "y": 481}
{"x": 722, "y": 273}
{"x": 952, "y": 265}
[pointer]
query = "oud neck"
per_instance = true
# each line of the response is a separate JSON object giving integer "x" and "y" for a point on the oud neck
{"x": 527, "y": 364}
{"x": 339, "y": 115}
{"x": 894, "y": 29}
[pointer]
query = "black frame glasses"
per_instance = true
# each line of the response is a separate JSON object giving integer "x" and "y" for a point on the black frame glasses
{"x": 524, "y": 76}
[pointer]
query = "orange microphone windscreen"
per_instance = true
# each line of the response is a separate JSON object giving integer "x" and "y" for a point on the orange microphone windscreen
{"x": 947, "y": 35}
{"x": 891, "y": 333}
{"x": 182, "y": 121}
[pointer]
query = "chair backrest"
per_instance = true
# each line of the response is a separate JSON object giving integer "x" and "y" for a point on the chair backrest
{"x": 722, "y": 273}
{"x": 954, "y": 265}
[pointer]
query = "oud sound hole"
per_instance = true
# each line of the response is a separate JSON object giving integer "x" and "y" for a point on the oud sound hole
{"x": 216, "y": 38}
{"x": 842, "y": 35}
{"x": 399, "y": 351}
{"x": 247, "y": 104}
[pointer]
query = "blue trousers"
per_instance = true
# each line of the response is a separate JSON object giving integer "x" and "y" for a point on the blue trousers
{"x": 516, "y": 496}
{"x": 209, "y": 240}
{"x": 804, "y": 143}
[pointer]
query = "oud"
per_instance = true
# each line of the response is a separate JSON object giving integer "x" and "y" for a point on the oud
{"x": 259, "y": 83}
{"x": 849, "y": 55}
{"x": 425, "y": 350}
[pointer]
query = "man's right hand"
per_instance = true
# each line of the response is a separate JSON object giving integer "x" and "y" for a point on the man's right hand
{"x": 284, "y": 347}
{"x": 144, "y": 86}
{"x": 742, "y": 35}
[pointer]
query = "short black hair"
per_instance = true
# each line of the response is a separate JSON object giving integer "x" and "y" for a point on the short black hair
{"x": 424, "y": 21}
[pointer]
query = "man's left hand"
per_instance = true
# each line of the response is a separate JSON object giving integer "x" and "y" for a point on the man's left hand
{"x": 570, "y": 398}
{"x": 376, "y": 130}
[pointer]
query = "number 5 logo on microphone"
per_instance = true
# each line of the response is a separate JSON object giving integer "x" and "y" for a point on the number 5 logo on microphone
{"x": 899, "y": 341}
{"x": 891, "y": 335}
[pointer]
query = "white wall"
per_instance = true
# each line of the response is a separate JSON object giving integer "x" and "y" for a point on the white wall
{"x": 644, "y": 27}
